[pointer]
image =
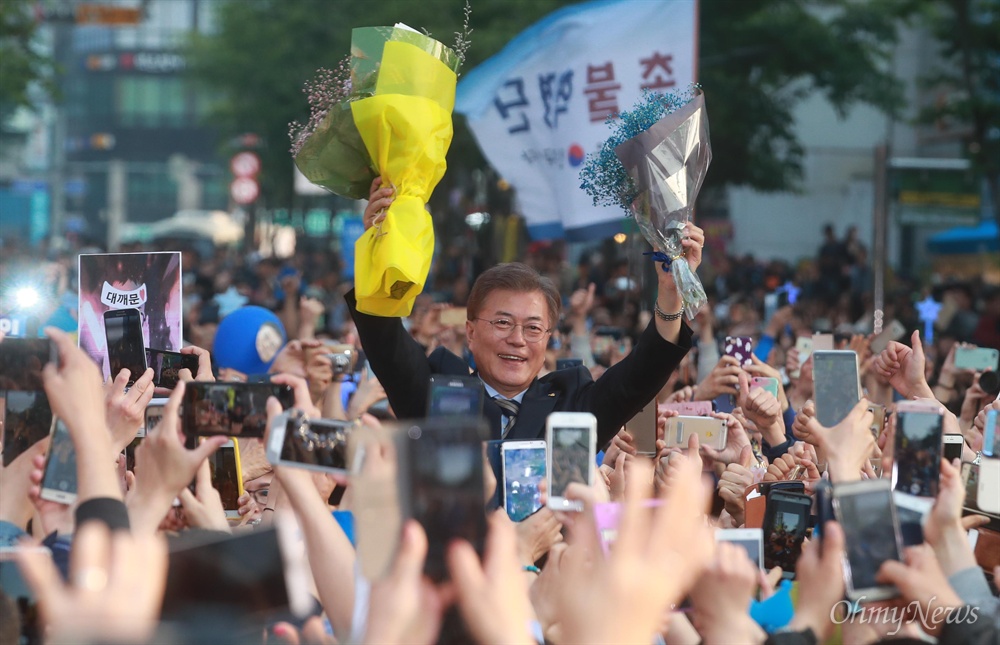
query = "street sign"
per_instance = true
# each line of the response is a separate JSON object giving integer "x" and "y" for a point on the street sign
{"x": 245, "y": 164}
{"x": 244, "y": 190}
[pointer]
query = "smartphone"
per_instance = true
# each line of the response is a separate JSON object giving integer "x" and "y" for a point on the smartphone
{"x": 244, "y": 574}
{"x": 455, "y": 396}
{"x": 766, "y": 383}
{"x": 894, "y": 331}
{"x": 130, "y": 454}
{"x": 26, "y": 420}
{"x": 878, "y": 419}
{"x": 153, "y": 416}
{"x": 804, "y": 346}
{"x": 823, "y": 491}
{"x": 690, "y": 408}
{"x": 911, "y": 513}
{"x": 786, "y": 520}
{"x": 167, "y": 366}
{"x": 523, "y": 470}
{"x": 235, "y": 409}
{"x": 837, "y": 388}
{"x": 126, "y": 346}
{"x": 710, "y": 431}
{"x": 916, "y": 466}
{"x": 22, "y": 360}
{"x": 952, "y": 448}
{"x": 977, "y": 359}
{"x": 227, "y": 476}
{"x": 642, "y": 427}
{"x": 822, "y": 342}
{"x": 59, "y": 478}
{"x": 724, "y": 403}
{"x": 454, "y": 316}
{"x": 21, "y": 596}
{"x": 867, "y": 516}
{"x": 440, "y": 483}
{"x": 568, "y": 363}
{"x": 572, "y": 440}
{"x": 751, "y": 540}
{"x": 313, "y": 444}
{"x": 988, "y": 485}
{"x": 494, "y": 461}
{"x": 740, "y": 348}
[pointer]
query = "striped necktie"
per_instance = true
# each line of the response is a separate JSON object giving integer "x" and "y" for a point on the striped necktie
{"x": 510, "y": 409}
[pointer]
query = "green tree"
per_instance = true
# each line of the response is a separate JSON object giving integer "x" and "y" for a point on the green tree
{"x": 969, "y": 80}
{"x": 759, "y": 58}
{"x": 20, "y": 62}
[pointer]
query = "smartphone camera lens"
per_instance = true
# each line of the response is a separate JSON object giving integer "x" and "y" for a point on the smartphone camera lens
{"x": 413, "y": 432}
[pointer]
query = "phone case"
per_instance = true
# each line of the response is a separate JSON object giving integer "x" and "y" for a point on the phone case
{"x": 710, "y": 431}
{"x": 740, "y": 348}
{"x": 767, "y": 383}
{"x": 642, "y": 427}
{"x": 822, "y": 342}
{"x": 977, "y": 359}
{"x": 690, "y": 408}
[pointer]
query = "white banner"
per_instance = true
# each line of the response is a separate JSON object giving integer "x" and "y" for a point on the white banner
{"x": 539, "y": 106}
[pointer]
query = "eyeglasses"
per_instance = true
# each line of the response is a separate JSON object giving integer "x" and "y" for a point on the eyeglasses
{"x": 504, "y": 327}
{"x": 259, "y": 495}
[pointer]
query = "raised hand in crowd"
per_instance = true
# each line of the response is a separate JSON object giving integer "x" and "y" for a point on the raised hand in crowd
{"x": 203, "y": 508}
{"x": 903, "y": 368}
{"x": 116, "y": 586}
{"x": 163, "y": 466}
{"x": 15, "y": 483}
{"x": 204, "y": 374}
{"x": 848, "y": 445}
{"x": 736, "y": 441}
{"x": 733, "y": 483}
{"x": 763, "y": 410}
{"x": 723, "y": 379}
{"x": 721, "y": 596}
{"x": 125, "y": 407}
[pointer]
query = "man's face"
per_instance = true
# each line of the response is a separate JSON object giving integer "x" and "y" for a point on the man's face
{"x": 509, "y": 364}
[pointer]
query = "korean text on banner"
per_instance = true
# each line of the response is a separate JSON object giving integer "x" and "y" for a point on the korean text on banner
{"x": 539, "y": 106}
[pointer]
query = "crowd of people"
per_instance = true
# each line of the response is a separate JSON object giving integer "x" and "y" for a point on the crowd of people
{"x": 545, "y": 578}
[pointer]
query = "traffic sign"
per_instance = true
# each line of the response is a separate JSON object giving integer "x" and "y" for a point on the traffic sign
{"x": 245, "y": 164}
{"x": 244, "y": 190}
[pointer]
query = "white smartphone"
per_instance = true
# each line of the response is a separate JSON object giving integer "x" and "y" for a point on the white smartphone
{"x": 313, "y": 444}
{"x": 804, "y": 345}
{"x": 837, "y": 386}
{"x": 572, "y": 441}
{"x": 752, "y": 540}
{"x": 523, "y": 466}
{"x": 953, "y": 446}
{"x": 154, "y": 413}
{"x": 867, "y": 515}
{"x": 988, "y": 490}
{"x": 59, "y": 478}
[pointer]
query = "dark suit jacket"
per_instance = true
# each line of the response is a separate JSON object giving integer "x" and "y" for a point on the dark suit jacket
{"x": 404, "y": 370}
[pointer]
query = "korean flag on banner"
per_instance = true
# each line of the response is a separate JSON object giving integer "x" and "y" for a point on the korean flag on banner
{"x": 538, "y": 107}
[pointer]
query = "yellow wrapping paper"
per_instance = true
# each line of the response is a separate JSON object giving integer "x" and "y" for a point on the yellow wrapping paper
{"x": 407, "y": 130}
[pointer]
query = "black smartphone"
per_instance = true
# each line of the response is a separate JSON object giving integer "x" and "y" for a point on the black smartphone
{"x": 567, "y": 363}
{"x": 441, "y": 484}
{"x": 167, "y": 366}
{"x": 235, "y": 409}
{"x": 916, "y": 467}
{"x": 126, "y": 347}
{"x": 786, "y": 521}
{"x": 239, "y": 575}
{"x": 871, "y": 534}
{"x": 494, "y": 459}
{"x": 455, "y": 396}
{"x": 824, "y": 506}
{"x": 26, "y": 420}
{"x": 22, "y": 360}
{"x": 59, "y": 478}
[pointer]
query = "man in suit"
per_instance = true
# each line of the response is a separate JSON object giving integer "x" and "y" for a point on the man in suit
{"x": 512, "y": 311}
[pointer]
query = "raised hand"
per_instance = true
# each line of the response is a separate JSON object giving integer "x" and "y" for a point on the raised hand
{"x": 848, "y": 445}
{"x": 903, "y": 368}
{"x": 723, "y": 379}
{"x": 126, "y": 410}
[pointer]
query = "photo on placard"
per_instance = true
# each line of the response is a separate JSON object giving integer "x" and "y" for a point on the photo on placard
{"x": 147, "y": 282}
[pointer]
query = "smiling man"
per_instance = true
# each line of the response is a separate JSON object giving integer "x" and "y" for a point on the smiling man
{"x": 512, "y": 311}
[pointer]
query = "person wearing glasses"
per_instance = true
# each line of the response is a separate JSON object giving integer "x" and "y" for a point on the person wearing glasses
{"x": 512, "y": 311}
